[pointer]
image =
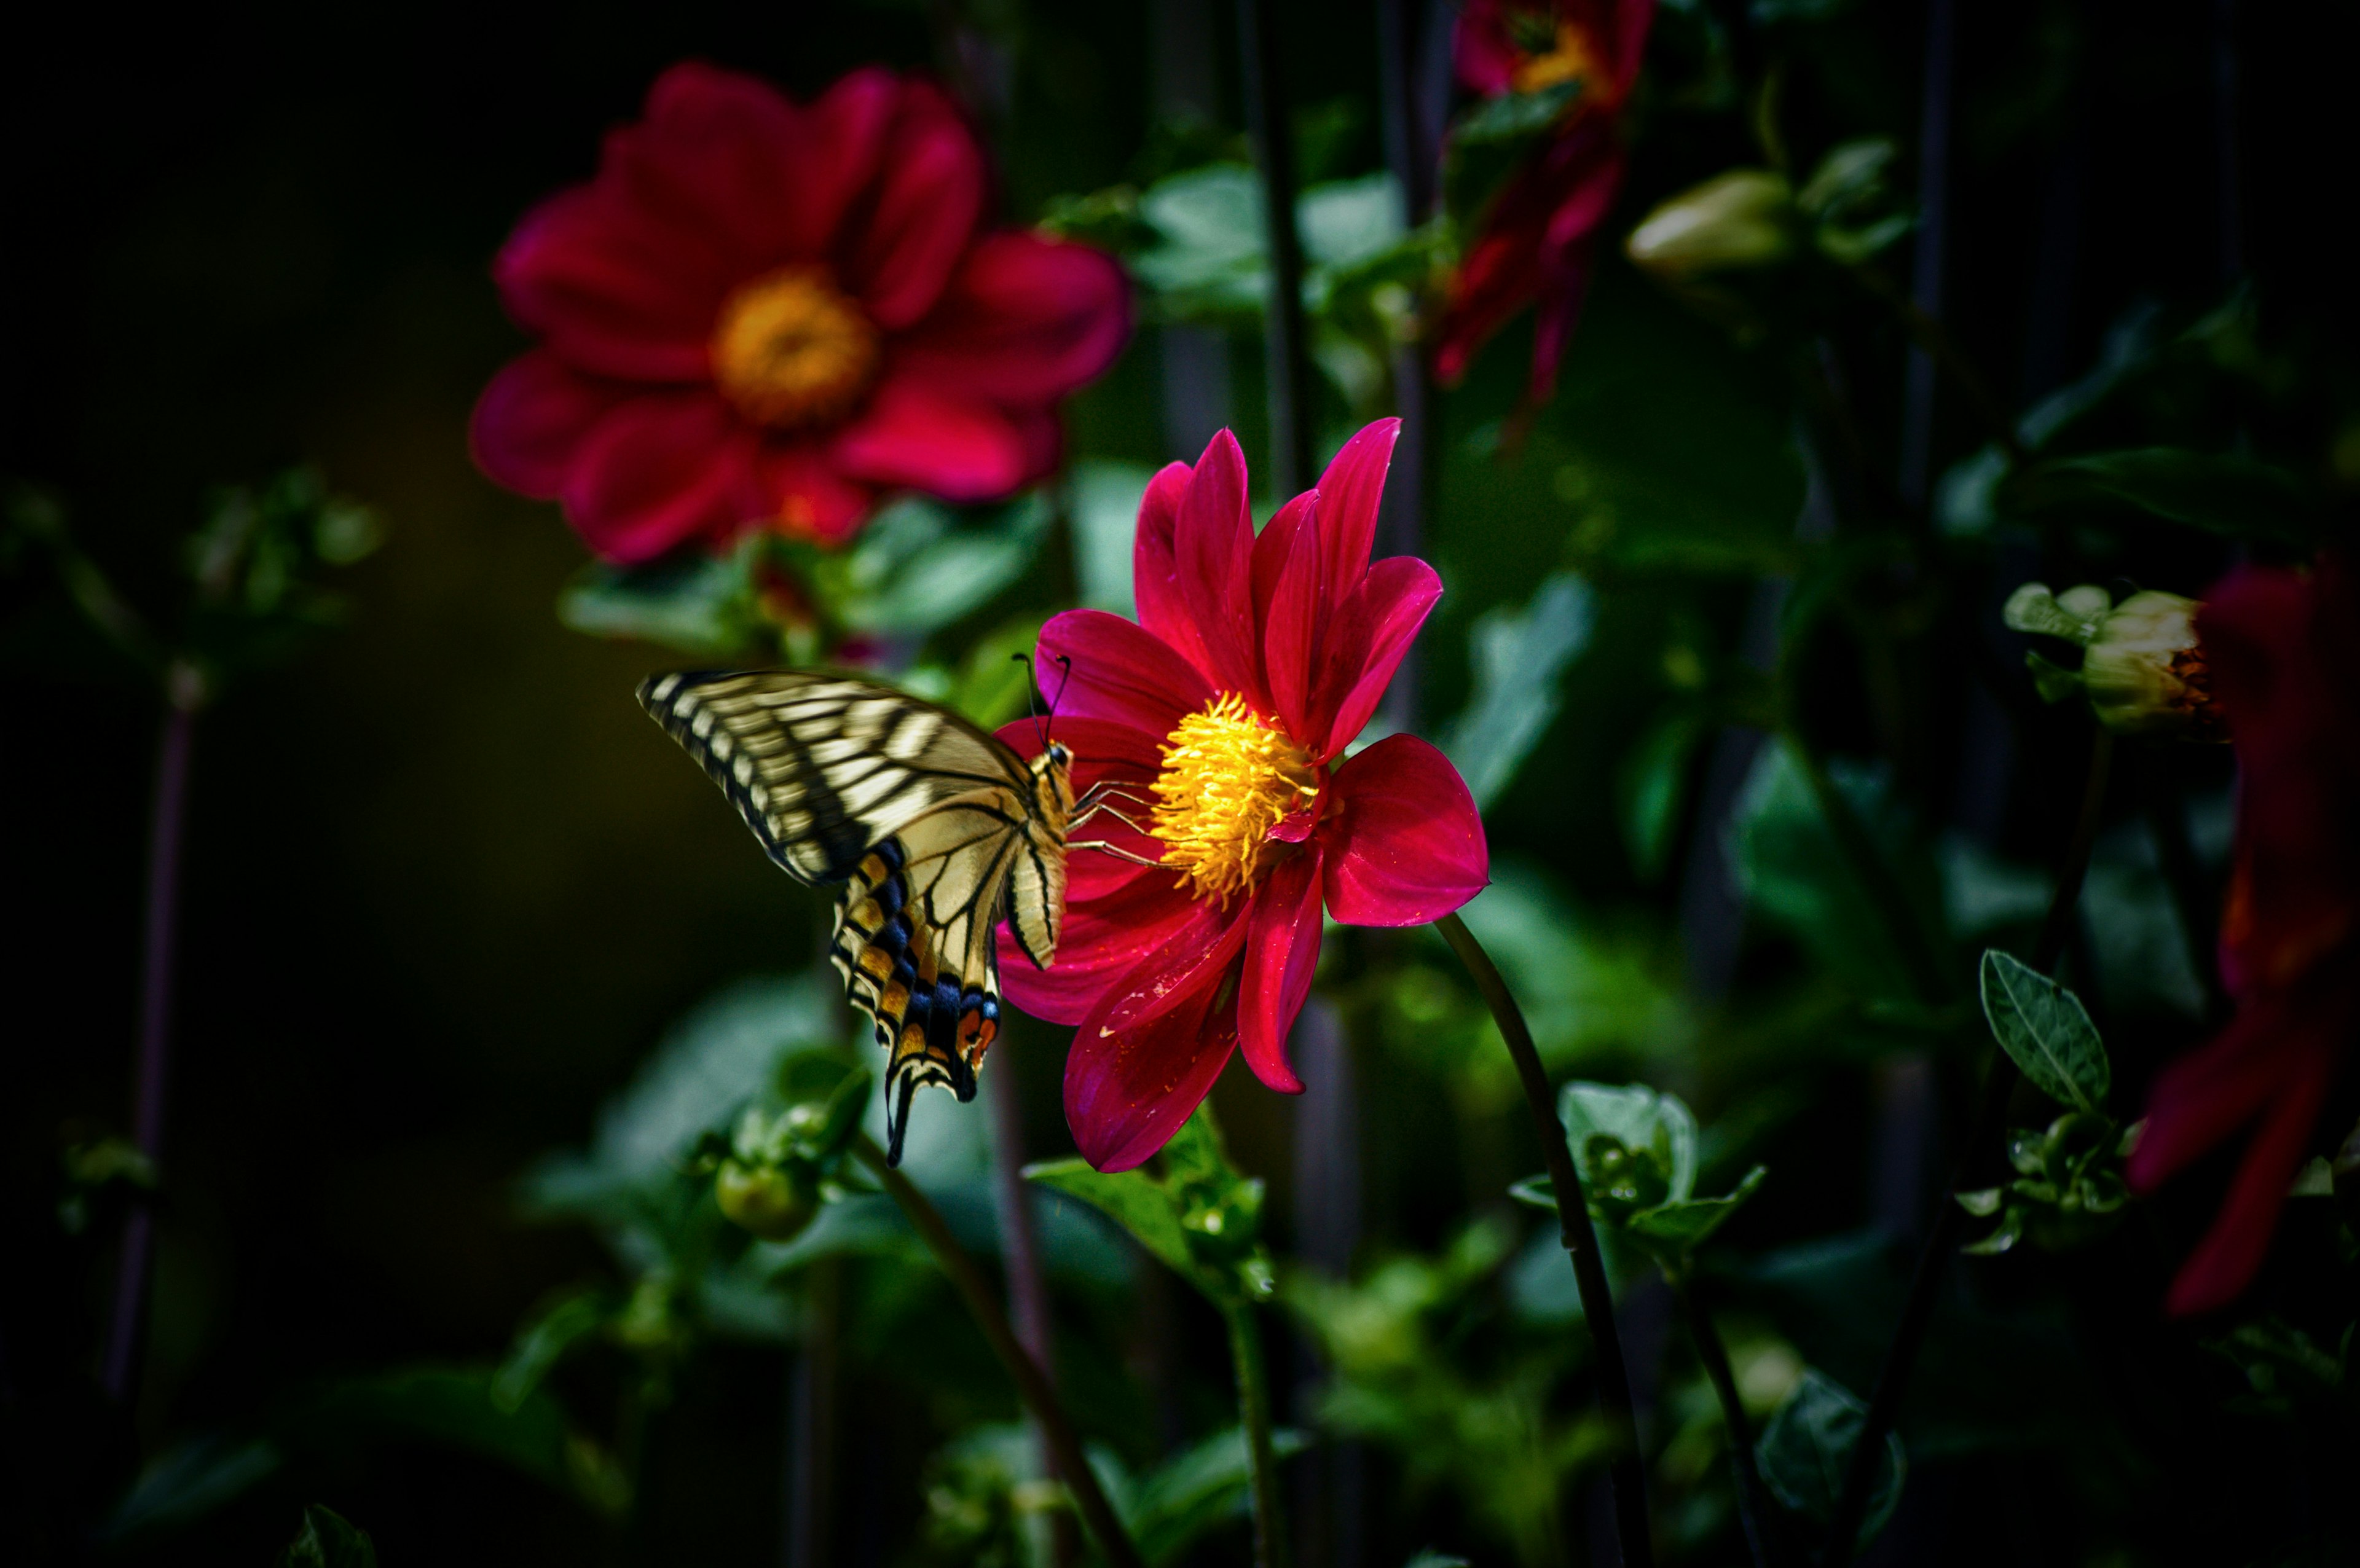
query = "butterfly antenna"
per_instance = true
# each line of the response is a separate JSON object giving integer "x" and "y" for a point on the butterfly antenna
{"x": 1064, "y": 662}
{"x": 1032, "y": 695}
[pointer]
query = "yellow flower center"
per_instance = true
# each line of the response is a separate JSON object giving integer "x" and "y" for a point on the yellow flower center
{"x": 791, "y": 349}
{"x": 1229, "y": 777}
{"x": 1567, "y": 58}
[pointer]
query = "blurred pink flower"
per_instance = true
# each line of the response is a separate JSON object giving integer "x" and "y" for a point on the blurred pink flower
{"x": 2283, "y": 652}
{"x": 1221, "y": 717}
{"x": 1537, "y": 241}
{"x": 765, "y": 314}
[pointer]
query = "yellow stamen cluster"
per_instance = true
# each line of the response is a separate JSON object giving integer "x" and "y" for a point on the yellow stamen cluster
{"x": 1228, "y": 777}
{"x": 1569, "y": 58}
{"x": 791, "y": 349}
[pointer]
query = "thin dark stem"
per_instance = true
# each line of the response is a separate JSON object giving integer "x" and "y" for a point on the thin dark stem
{"x": 1032, "y": 1383}
{"x": 152, "y": 1071}
{"x": 1028, "y": 1289}
{"x": 1289, "y": 375}
{"x": 1861, "y": 1470}
{"x": 1936, "y": 344}
{"x": 1753, "y": 1510}
{"x": 1254, "y": 1415}
{"x": 1580, "y": 1241}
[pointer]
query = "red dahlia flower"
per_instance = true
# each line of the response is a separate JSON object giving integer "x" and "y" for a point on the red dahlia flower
{"x": 1218, "y": 721}
{"x": 2284, "y": 652}
{"x": 1538, "y": 240}
{"x": 764, "y": 313}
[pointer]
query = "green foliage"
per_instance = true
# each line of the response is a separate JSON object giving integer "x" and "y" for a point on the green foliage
{"x": 1493, "y": 1433}
{"x": 1518, "y": 658}
{"x": 2046, "y": 1031}
{"x": 2222, "y": 493}
{"x": 328, "y": 1540}
{"x": 1196, "y": 1214}
{"x": 1805, "y": 1449}
{"x": 1637, "y": 1152}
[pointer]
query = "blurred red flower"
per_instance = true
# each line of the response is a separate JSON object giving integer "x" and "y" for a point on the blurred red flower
{"x": 1220, "y": 717}
{"x": 1539, "y": 239}
{"x": 2284, "y": 651}
{"x": 764, "y": 314}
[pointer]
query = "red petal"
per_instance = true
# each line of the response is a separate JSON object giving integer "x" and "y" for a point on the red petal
{"x": 1294, "y": 629}
{"x": 926, "y": 202}
{"x": 1104, "y": 939}
{"x": 1484, "y": 55}
{"x": 1212, "y": 544}
{"x": 2212, "y": 1091}
{"x": 1195, "y": 954}
{"x": 803, "y": 495}
{"x": 2225, "y": 1262}
{"x": 532, "y": 419}
{"x": 1128, "y": 1092}
{"x": 1404, "y": 843}
{"x": 918, "y": 435}
{"x": 1349, "y": 494}
{"x": 1271, "y": 547}
{"x": 1024, "y": 320}
{"x": 714, "y": 159}
{"x": 613, "y": 290}
{"x": 1365, "y": 644}
{"x": 1282, "y": 951}
{"x": 1154, "y": 569}
{"x": 1118, "y": 671}
{"x": 840, "y": 139}
{"x": 661, "y": 469}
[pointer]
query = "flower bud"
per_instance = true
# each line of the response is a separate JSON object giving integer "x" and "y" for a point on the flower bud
{"x": 2142, "y": 668}
{"x": 1739, "y": 219}
{"x": 777, "y": 1203}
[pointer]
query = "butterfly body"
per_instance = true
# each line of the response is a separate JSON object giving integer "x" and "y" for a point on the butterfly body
{"x": 936, "y": 829}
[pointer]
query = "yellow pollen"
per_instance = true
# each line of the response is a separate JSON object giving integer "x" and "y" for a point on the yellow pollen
{"x": 791, "y": 349}
{"x": 1569, "y": 58}
{"x": 1229, "y": 777}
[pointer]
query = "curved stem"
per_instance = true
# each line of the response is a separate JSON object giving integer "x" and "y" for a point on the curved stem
{"x": 1580, "y": 1241}
{"x": 1753, "y": 1510}
{"x": 1254, "y": 1414}
{"x": 1032, "y": 1383}
{"x": 1861, "y": 1468}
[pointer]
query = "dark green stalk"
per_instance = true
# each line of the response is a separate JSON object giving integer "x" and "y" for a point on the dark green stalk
{"x": 1754, "y": 1508}
{"x": 1032, "y": 1383}
{"x": 1254, "y": 1415}
{"x": 1581, "y": 1242}
{"x": 1943, "y": 1238}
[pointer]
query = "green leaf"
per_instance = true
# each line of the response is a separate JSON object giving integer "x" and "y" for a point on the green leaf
{"x": 1638, "y": 1117}
{"x": 1651, "y": 787}
{"x": 1103, "y": 506}
{"x": 916, "y": 569}
{"x": 1808, "y": 1443}
{"x": 2219, "y": 493}
{"x": 1517, "y": 657}
{"x": 542, "y": 1343}
{"x": 1681, "y": 1227}
{"x": 1538, "y": 1192}
{"x": 2045, "y": 1031}
{"x": 1514, "y": 115}
{"x": 328, "y": 1540}
{"x": 700, "y": 604}
{"x": 1196, "y": 1489}
{"x": 189, "y": 1481}
{"x": 1198, "y": 1216}
{"x": 1132, "y": 1199}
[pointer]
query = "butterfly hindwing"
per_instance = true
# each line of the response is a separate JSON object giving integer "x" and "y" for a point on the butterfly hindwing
{"x": 936, "y": 828}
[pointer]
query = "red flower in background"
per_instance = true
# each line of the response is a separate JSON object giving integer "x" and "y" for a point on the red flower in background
{"x": 764, "y": 314}
{"x": 1538, "y": 240}
{"x": 2284, "y": 650}
{"x": 1221, "y": 718}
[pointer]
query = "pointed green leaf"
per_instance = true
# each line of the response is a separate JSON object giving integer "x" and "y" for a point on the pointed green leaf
{"x": 2046, "y": 1031}
{"x": 1683, "y": 1226}
{"x": 1638, "y": 1117}
{"x": 328, "y": 1540}
{"x": 1808, "y": 1442}
{"x": 1132, "y": 1199}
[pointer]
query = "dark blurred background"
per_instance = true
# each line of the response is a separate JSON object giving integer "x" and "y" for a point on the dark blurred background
{"x": 444, "y": 884}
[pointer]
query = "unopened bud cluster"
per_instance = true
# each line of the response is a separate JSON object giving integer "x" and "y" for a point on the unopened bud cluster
{"x": 2143, "y": 667}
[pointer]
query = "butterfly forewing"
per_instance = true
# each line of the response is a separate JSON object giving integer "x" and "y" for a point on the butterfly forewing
{"x": 936, "y": 826}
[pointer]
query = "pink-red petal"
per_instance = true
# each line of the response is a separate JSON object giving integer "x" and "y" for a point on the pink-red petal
{"x": 1349, "y": 494}
{"x": 802, "y": 493}
{"x": 1154, "y": 565}
{"x": 1281, "y": 954}
{"x": 1107, "y": 668}
{"x": 1404, "y": 843}
{"x": 1365, "y": 644}
{"x": 921, "y": 436}
{"x": 1104, "y": 939}
{"x": 1203, "y": 948}
{"x": 1294, "y": 628}
{"x": 531, "y": 420}
{"x": 1026, "y": 319}
{"x": 659, "y": 470}
{"x": 1212, "y": 544}
{"x": 1127, "y": 1091}
{"x": 922, "y": 211}
{"x": 613, "y": 292}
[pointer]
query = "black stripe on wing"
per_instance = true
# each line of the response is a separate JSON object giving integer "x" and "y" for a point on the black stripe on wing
{"x": 675, "y": 701}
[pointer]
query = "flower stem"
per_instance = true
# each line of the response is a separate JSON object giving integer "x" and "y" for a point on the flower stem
{"x": 1028, "y": 1290}
{"x": 1581, "y": 1242}
{"x": 152, "y": 1065}
{"x": 1753, "y": 1510}
{"x": 1032, "y": 1383}
{"x": 1254, "y": 1415}
{"x": 1861, "y": 1470}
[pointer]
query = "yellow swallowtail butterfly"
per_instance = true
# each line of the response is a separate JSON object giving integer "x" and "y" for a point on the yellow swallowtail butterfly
{"x": 937, "y": 830}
